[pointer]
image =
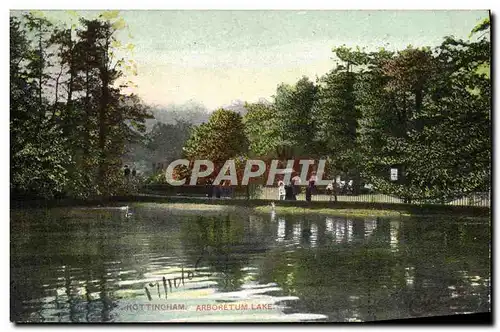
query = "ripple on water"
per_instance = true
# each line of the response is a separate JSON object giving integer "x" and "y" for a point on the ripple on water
{"x": 306, "y": 268}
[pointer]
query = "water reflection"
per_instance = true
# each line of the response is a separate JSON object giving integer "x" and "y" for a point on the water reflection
{"x": 82, "y": 265}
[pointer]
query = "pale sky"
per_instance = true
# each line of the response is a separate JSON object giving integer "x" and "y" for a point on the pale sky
{"x": 215, "y": 57}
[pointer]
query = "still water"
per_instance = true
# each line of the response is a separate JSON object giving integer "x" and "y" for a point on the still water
{"x": 158, "y": 264}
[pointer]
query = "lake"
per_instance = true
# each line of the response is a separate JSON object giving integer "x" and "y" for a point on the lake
{"x": 153, "y": 263}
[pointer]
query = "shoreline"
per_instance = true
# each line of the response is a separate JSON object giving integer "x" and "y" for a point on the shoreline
{"x": 263, "y": 206}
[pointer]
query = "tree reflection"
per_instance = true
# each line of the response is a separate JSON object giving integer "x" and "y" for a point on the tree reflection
{"x": 366, "y": 278}
{"x": 61, "y": 264}
{"x": 218, "y": 242}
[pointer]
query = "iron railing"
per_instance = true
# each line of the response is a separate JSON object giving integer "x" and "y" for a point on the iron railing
{"x": 271, "y": 193}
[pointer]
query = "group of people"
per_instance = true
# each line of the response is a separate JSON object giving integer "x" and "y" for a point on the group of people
{"x": 225, "y": 190}
{"x": 290, "y": 190}
{"x": 127, "y": 172}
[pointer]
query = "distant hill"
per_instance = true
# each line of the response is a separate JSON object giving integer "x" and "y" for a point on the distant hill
{"x": 191, "y": 112}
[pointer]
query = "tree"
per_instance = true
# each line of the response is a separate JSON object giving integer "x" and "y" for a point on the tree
{"x": 220, "y": 139}
{"x": 38, "y": 158}
{"x": 165, "y": 141}
{"x": 294, "y": 124}
{"x": 336, "y": 115}
{"x": 260, "y": 128}
{"x": 106, "y": 118}
{"x": 453, "y": 157}
{"x": 39, "y": 60}
{"x": 391, "y": 97}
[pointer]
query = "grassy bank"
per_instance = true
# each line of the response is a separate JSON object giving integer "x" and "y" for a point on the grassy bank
{"x": 349, "y": 212}
{"x": 188, "y": 207}
{"x": 281, "y": 210}
{"x": 219, "y": 206}
{"x": 330, "y": 211}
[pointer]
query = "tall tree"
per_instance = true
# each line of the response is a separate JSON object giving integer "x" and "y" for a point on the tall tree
{"x": 336, "y": 114}
{"x": 294, "y": 123}
{"x": 391, "y": 97}
{"x": 38, "y": 158}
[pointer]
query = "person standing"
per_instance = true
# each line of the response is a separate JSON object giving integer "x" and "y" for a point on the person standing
{"x": 209, "y": 188}
{"x": 296, "y": 186}
{"x": 217, "y": 189}
{"x": 126, "y": 171}
{"x": 290, "y": 192}
{"x": 310, "y": 187}
{"x": 308, "y": 194}
{"x": 225, "y": 189}
{"x": 281, "y": 190}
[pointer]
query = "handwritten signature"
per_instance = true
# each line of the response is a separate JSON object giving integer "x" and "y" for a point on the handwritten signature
{"x": 167, "y": 284}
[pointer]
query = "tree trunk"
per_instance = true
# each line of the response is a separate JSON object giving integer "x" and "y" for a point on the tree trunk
{"x": 104, "y": 103}
{"x": 102, "y": 128}
{"x": 418, "y": 107}
{"x": 355, "y": 183}
{"x": 40, "y": 78}
{"x": 86, "y": 146}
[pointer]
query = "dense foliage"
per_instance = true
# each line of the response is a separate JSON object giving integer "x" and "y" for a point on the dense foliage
{"x": 423, "y": 110}
{"x": 70, "y": 120}
{"x": 428, "y": 112}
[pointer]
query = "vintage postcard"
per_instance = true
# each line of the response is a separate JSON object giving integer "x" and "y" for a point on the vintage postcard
{"x": 261, "y": 166}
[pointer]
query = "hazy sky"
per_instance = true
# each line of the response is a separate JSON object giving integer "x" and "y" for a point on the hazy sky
{"x": 215, "y": 57}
